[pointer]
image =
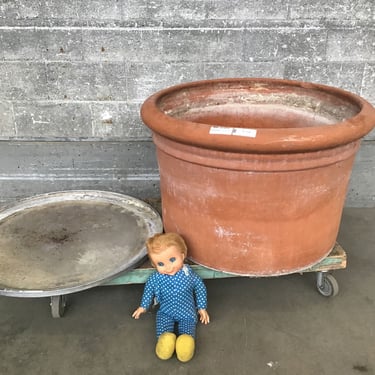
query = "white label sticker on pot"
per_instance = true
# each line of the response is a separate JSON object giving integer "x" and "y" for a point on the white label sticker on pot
{"x": 221, "y": 130}
{"x": 252, "y": 133}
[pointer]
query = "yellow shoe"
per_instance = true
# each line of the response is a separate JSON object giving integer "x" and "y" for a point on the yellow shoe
{"x": 165, "y": 345}
{"x": 185, "y": 346}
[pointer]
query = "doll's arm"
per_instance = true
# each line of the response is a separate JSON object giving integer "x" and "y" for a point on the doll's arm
{"x": 201, "y": 299}
{"x": 137, "y": 313}
{"x": 203, "y": 316}
{"x": 148, "y": 295}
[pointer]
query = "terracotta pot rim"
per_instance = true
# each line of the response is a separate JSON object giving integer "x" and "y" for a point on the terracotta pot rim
{"x": 266, "y": 140}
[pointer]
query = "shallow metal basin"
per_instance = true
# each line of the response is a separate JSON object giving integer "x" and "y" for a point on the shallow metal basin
{"x": 63, "y": 242}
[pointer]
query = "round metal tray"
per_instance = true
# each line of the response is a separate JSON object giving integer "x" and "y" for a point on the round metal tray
{"x": 64, "y": 242}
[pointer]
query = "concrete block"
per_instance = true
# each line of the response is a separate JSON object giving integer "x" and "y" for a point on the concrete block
{"x": 204, "y": 14}
{"x": 361, "y": 191}
{"x": 351, "y": 44}
{"x": 51, "y": 120}
{"x": 23, "y": 81}
{"x": 37, "y": 45}
{"x": 7, "y": 125}
{"x": 68, "y": 159}
{"x": 87, "y": 81}
{"x": 59, "y": 13}
{"x": 19, "y": 12}
{"x": 181, "y": 13}
{"x": 85, "y": 159}
{"x": 368, "y": 83}
{"x": 343, "y": 10}
{"x": 243, "y": 69}
{"x": 246, "y": 10}
{"x": 141, "y": 13}
{"x": 370, "y": 137}
{"x": 65, "y": 45}
{"x": 129, "y": 45}
{"x": 368, "y": 92}
{"x": 170, "y": 45}
{"x": 29, "y": 168}
{"x": 19, "y": 44}
{"x": 118, "y": 120}
{"x": 285, "y": 44}
{"x": 72, "y": 12}
{"x": 138, "y": 187}
{"x": 202, "y": 45}
{"x": 347, "y": 76}
{"x": 145, "y": 79}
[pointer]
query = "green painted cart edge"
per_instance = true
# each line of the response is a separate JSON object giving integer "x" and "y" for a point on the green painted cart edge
{"x": 335, "y": 260}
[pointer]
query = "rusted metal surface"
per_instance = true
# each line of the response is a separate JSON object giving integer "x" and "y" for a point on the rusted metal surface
{"x": 63, "y": 242}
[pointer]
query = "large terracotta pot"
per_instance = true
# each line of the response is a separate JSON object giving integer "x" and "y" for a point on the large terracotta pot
{"x": 254, "y": 172}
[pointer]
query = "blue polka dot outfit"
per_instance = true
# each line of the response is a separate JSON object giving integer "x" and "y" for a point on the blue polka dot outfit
{"x": 179, "y": 296}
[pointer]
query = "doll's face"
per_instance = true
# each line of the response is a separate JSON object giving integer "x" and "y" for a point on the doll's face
{"x": 169, "y": 261}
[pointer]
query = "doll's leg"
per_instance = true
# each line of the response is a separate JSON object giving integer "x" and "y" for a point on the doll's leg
{"x": 187, "y": 326}
{"x": 166, "y": 338}
{"x": 164, "y": 323}
{"x": 185, "y": 344}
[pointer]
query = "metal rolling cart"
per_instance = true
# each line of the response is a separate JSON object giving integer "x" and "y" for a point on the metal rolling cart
{"x": 55, "y": 244}
{"x": 326, "y": 283}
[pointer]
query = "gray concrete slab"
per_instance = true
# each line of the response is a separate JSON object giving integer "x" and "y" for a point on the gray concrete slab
{"x": 259, "y": 326}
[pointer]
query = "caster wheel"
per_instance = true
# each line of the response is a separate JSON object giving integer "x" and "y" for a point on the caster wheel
{"x": 58, "y": 304}
{"x": 327, "y": 285}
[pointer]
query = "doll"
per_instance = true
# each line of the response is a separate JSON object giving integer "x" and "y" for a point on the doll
{"x": 179, "y": 291}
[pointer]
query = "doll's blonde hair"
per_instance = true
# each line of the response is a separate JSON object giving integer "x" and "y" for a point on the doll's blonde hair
{"x": 161, "y": 241}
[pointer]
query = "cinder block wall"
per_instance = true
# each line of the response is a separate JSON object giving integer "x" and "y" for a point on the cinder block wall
{"x": 74, "y": 74}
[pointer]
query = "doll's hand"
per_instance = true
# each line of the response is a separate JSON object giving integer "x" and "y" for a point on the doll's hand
{"x": 203, "y": 316}
{"x": 137, "y": 313}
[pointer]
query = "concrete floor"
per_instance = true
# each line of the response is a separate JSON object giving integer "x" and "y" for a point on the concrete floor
{"x": 259, "y": 326}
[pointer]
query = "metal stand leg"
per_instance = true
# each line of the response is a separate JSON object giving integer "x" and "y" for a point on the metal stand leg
{"x": 58, "y": 304}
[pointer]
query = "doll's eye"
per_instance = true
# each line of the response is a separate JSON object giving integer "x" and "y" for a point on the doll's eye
{"x": 173, "y": 259}
{"x": 160, "y": 264}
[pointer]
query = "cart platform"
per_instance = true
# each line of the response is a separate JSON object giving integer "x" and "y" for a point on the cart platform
{"x": 335, "y": 260}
